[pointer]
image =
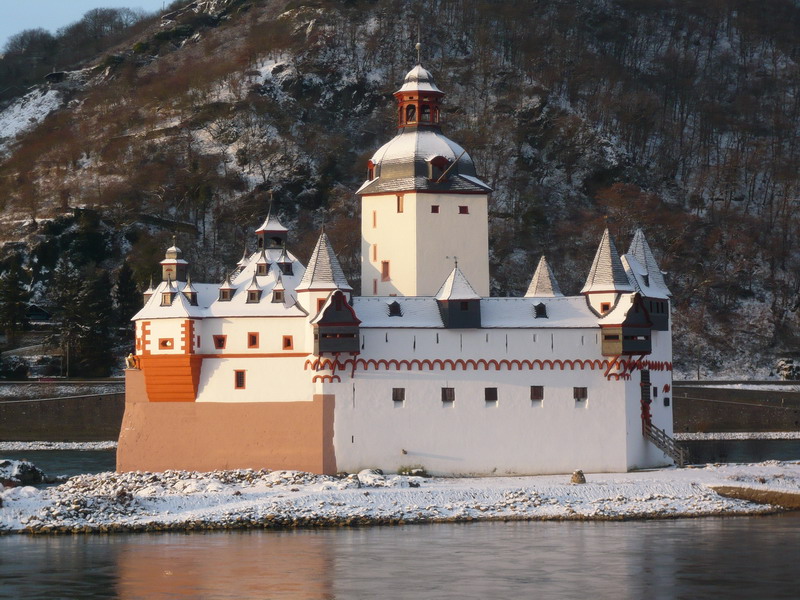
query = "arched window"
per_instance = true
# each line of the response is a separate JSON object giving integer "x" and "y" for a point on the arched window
{"x": 411, "y": 114}
{"x": 395, "y": 310}
{"x": 425, "y": 112}
{"x": 540, "y": 311}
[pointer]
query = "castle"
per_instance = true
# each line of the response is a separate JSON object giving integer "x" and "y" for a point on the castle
{"x": 281, "y": 367}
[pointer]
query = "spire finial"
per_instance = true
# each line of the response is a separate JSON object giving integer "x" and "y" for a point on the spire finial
{"x": 418, "y": 45}
{"x": 174, "y": 240}
{"x": 455, "y": 260}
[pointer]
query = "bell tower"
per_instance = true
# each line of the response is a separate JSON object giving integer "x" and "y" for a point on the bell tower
{"x": 422, "y": 203}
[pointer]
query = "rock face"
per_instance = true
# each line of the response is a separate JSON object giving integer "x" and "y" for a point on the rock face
{"x": 19, "y": 472}
{"x": 577, "y": 477}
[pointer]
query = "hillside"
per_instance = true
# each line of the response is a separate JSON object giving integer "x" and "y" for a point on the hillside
{"x": 678, "y": 117}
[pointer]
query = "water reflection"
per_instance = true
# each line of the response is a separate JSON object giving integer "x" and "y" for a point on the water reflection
{"x": 726, "y": 557}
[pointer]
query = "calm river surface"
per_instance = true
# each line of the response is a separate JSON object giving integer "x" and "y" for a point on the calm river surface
{"x": 733, "y": 557}
{"x": 743, "y": 557}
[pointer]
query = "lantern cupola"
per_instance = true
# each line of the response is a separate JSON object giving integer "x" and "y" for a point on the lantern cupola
{"x": 418, "y": 100}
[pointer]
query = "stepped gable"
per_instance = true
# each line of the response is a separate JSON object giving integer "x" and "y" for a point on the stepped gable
{"x": 607, "y": 273}
{"x": 323, "y": 270}
{"x": 640, "y": 250}
{"x": 418, "y": 157}
{"x": 456, "y": 287}
{"x": 543, "y": 284}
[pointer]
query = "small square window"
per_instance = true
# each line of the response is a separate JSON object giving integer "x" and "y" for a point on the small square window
{"x": 166, "y": 299}
{"x": 252, "y": 340}
{"x": 490, "y": 394}
{"x": 666, "y": 401}
{"x": 398, "y": 394}
{"x": 261, "y": 269}
{"x": 463, "y": 210}
{"x": 225, "y": 295}
{"x": 288, "y": 342}
{"x": 605, "y": 307}
{"x": 219, "y": 341}
{"x": 537, "y": 392}
{"x": 239, "y": 380}
{"x": 580, "y": 393}
{"x": 277, "y": 296}
{"x": 435, "y": 209}
{"x": 448, "y": 394}
{"x": 464, "y": 305}
{"x": 321, "y": 303}
{"x": 166, "y": 344}
{"x": 655, "y": 392}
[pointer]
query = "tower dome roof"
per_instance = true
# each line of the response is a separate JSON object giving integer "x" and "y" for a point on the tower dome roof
{"x": 415, "y": 158}
{"x": 419, "y": 79}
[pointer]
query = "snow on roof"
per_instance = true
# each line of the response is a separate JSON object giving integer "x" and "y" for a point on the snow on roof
{"x": 640, "y": 249}
{"x": 209, "y": 304}
{"x": 271, "y": 224}
{"x": 641, "y": 280}
{"x": 456, "y": 287}
{"x": 562, "y": 311}
{"x": 423, "y": 312}
{"x": 188, "y": 288}
{"x": 324, "y": 270}
{"x": 419, "y": 79}
{"x": 607, "y": 273}
{"x": 403, "y": 164}
{"x": 543, "y": 284}
{"x": 417, "y": 311}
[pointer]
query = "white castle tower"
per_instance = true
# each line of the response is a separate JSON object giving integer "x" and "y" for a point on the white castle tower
{"x": 422, "y": 204}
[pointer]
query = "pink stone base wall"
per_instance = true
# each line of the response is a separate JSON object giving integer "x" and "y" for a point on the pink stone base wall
{"x": 206, "y": 436}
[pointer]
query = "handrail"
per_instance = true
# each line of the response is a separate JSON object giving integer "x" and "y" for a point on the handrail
{"x": 665, "y": 443}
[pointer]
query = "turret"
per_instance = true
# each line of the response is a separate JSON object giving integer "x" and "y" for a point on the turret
{"x": 173, "y": 266}
{"x": 323, "y": 275}
{"x": 271, "y": 234}
{"x": 543, "y": 284}
{"x": 607, "y": 279}
{"x": 459, "y": 303}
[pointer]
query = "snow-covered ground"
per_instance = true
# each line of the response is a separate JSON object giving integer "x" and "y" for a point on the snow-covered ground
{"x": 28, "y": 446}
{"x": 26, "y": 112}
{"x": 737, "y": 435}
{"x": 246, "y": 498}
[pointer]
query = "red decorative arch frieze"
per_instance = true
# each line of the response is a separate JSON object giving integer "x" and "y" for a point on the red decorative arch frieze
{"x": 326, "y": 379}
{"x": 617, "y": 368}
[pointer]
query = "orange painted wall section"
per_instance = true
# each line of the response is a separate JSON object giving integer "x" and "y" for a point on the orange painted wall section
{"x": 204, "y": 436}
{"x": 171, "y": 377}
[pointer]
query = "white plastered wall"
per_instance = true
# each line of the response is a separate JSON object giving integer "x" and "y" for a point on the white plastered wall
{"x": 417, "y": 242}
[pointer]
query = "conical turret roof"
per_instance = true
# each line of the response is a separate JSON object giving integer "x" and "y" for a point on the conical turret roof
{"x": 640, "y": 250}
{"x": 456, "y": 287}
{"x": 543, "y": 284}
{"x": 607, "y": 273}
{"x": 323, "y": 270}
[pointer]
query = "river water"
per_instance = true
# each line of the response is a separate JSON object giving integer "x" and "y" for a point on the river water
{"x": 743, "y": 557}
{"x": 734, "y": 557}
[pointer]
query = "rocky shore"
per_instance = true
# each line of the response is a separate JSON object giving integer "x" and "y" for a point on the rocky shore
{"x": 239, "y": 499}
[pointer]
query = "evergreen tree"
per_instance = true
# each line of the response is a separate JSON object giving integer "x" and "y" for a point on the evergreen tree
{"x": 64, "y": 290}
{"x": 127, "y": 298}
{"x": 13, "y": 299}
{"x": 94, "y": 340}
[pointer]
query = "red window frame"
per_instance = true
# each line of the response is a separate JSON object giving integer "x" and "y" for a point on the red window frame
{"x": 220, "y": 341}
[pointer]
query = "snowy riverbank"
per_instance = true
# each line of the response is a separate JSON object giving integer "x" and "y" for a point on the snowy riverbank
{"x": 178, "y": 500}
